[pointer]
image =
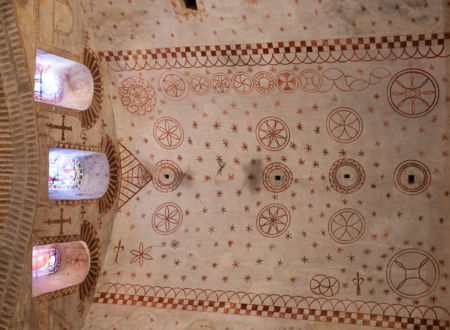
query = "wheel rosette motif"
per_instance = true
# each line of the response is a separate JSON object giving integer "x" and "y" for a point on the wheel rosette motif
{"x": 346, "y": 175}
{"x": 264, "y": 82}
{"x": 277, "y": 177}
{"x": 286, "y": 81}
{"x": 242, "y": 83}
{"x": 199, "y": 84}
{"x": 323, "y": 285}
{"x": 310, "y": 81}
{"x": 412, "y": 273}
{"x": 168, "y": 133}
{"x": 413, "y": 93}
{"x": 168, "y": 176}
{"x": 221, "y": 83}
{"x": 344, "y": 125}
{"x": 412, "y": 177}
{"x": 173, "y": 85}
{"x": 272, "y": 133}
{"x": 167, "y": 218}
{"x": 346, "y": 226}
{"x": 273, "y": 220}
{"x": 137, "y": 95}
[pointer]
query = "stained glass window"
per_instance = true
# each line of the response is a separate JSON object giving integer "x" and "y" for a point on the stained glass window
{"x": 64, "y": 173}
{"x": 47, "y": 87}
{"x": 46, "y": 261}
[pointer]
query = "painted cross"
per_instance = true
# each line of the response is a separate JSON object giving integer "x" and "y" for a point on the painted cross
{"x": 358, "y": 281}
{"x": 119, "y": 248}
{"x": 61, "y": 221}
{"x": 62, "y": 127}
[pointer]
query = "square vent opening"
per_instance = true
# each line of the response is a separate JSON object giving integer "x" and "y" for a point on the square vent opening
{"x": 191, "y": 4}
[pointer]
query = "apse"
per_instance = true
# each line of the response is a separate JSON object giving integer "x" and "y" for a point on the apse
{"x": 58, "y": 266}
{"x": 76, "y": 174}
{"x": 62, "y": 82}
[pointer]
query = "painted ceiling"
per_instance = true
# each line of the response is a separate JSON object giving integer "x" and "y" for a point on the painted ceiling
{"x": 294, "y": 166}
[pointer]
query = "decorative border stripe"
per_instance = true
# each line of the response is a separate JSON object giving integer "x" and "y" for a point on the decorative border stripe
{"x": 293, "y": 313}
{"x": 285, "y": 52}
{"x": 367, "y": 313}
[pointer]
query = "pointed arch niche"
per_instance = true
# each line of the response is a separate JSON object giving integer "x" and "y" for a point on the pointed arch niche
{"x": 76, "y": 174}
{"x": 58, "y": 266}
{"x": 62, "y": 82}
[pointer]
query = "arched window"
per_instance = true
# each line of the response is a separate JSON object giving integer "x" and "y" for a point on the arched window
{"x": 62, "y": 82}
{"x": 76, "y": 174}
{"x": 57, "y": 266}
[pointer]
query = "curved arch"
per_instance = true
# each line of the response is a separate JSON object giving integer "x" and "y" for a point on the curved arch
{"x": 58, "y": 266}
{"x": 76, "y": 174}
{"x": 62, "y": 82}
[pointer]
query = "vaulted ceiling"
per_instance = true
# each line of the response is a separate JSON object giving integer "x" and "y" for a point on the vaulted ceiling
{"x": 293, "y": 160}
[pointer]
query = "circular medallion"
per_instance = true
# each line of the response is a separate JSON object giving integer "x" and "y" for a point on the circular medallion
{"x": 272, "y": 133}
{"x": 346, "y": 175}
{"x": 137, "y": 95}
{"x": 309, "y": 80}
{"x": 242, "y": 83}
{"x": 346, "y": 226}
{"x": 264, "y": 82}
{"x": 168, "y": 176}
{"x": 173, "y": 85}
{"x": 273, "y": 220}
{"x": 168, "y": 133}
{"x": 412, "y": 177}
{"x": 344, "y": 125}
{"x": 324, "y": 285}
{"x": 167, "y": 218}
{"x": 413, "y": 93}
{"x": 286, "y": 81}
{"x": 199, "y": 84}
{"x": 277, "y": 177}
{"x": 412, "y": 273}
{"x": 221, "y": 83}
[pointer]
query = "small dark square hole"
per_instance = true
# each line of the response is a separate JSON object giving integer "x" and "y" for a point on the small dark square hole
{"x": 191, "y": 4}
{"x": 347, "y": 176}
{"x": 166, "y": 176}
{"x": 410, "y": 179}
{"x": 278, "y": 177}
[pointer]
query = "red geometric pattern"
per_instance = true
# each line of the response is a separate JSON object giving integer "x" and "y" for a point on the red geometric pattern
{"x": 313, "y": 51}
{"x": 277, "y": 306}
{"x": 134, "y": 176}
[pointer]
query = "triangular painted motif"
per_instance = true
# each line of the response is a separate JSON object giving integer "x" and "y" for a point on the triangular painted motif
{"x": 134, "y": 176}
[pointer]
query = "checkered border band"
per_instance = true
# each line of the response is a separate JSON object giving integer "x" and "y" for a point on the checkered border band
{"x": 274, "y": 53}
{"x": 287, "y": 307}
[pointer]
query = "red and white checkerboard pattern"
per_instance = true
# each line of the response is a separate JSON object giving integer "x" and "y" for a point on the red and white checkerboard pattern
{"x": 288, "y": 52}
{"x": 294, "y": 313}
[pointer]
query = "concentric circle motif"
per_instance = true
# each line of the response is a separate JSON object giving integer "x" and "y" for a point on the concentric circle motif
{"x": 168, "y": 133}
{"x": 346, "y": 226}
{"x": 286, "y": 81}
{"x": 168, "y": 176}
{"x": 346, "y": 175}
{"x": 199, "y": 84}
{"x": 273, "y": 220}
{"x": 309, "y": 80}
{"x": 412, "y": 273}
{"x": 413, "y": 93}
{"x": 264, "y": 82}
{"x": 277, "y": 177}
{"x": 272, "y": 133}
{"x": 242, "y": 83}
{"x": 344, "y": 125}
{"x": 137, "y": 95}
{"x": 173, "y": 85}
{"x": 412, "y": 177}
{"x": 323, "y": 285}
{"x": 221, "y": 83}
{"x": 167, "y": 218}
